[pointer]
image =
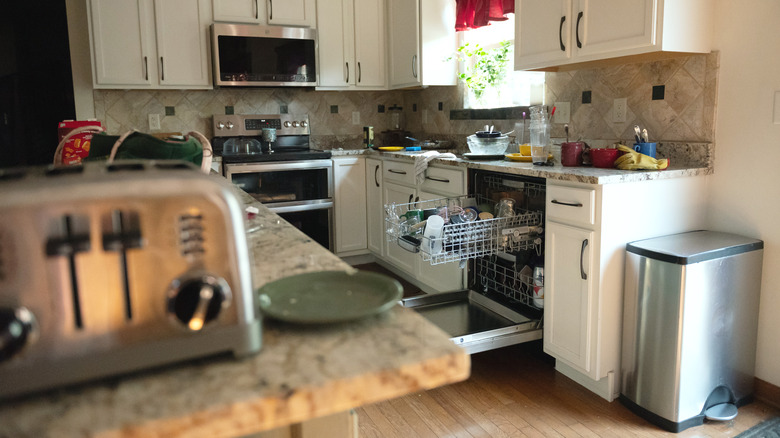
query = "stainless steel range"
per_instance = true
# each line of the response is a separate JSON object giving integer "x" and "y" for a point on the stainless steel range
{"x": 270, "y": 157}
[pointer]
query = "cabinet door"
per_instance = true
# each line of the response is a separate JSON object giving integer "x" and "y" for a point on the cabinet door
{"x": 445, "y": 277}
{"x": 569, "y": 309}
{"x": 238, "y": 11}
{"x": 336, "y": 44}
{"x": 403, "y": 259}
{"x": 349, "y": 176}
{"x": 375, "y": 210}
{"x": 403, "y": 21}
{"x": 182, "y": 42}
{"x": 291, "y": 12}
{"x": 121, "y": 42}
{"x": 542, "y": 32}
{"x": 611, "y": 25}
{"x": 370, "y": 51}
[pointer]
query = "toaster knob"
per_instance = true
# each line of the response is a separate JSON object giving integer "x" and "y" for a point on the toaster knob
{"x": 195, "y": 300}
{"x": 18, "y": 329}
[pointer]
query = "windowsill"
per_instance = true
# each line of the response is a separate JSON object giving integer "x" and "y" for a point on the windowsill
{"x": 507, "y": 113}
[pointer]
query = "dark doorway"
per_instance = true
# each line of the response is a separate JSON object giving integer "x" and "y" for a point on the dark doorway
{"x": 36, "y": 86}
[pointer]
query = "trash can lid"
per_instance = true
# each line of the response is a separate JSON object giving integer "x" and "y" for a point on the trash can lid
{"x": 694, "y": 246}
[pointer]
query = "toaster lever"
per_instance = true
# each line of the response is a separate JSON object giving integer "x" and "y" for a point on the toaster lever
{"x": 124, "y": 234}
{"x": 67, "y": 246}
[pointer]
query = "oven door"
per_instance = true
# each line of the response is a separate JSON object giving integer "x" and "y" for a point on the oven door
{"x": 301, "y": 192}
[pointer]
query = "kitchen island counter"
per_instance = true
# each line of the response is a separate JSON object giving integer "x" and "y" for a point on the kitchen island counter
{"x": 302, "y": 372}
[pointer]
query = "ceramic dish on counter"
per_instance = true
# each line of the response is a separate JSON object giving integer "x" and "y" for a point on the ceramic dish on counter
{"x": 523, "y": 158}
{"x": 329, "y": 296}
{"x": 391, "y": 148}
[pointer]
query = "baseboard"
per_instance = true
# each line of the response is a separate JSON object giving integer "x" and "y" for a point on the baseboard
{"x": 359, "y": 259}
{"x": 767, "y": 392}
{"x": 604, "y": 388}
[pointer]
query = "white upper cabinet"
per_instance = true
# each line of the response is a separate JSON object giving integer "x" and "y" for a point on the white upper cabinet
{"x": 150, "y": 43}
{"x": 351, "y": 39}
{"x": 275, "y": 12}
{"x": 564, "y": 32}
{"x": 239, "y": 11}
{"x": 421, "y": 38}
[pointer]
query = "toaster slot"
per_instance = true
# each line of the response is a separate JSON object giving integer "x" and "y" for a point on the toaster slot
{"x": 74, "y": 239}
{"x": 121, "y": 232}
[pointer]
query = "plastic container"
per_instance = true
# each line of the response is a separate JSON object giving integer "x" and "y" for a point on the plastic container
{"x": 487, "y": 146}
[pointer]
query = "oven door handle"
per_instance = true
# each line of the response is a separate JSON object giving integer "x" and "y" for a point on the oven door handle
{"x": 292, "y": 207}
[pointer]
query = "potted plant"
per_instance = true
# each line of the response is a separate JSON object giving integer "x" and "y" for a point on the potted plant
{"x": 485, "y": 69}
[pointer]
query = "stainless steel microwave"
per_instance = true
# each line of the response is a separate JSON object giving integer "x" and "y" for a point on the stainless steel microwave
{"x": 263, "y": 56}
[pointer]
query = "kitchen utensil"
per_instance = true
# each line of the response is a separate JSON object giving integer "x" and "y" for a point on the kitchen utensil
{"x": 604, "y": 157}
{"x": 566, "y": 130}
{"x": 552, "y": 113}
{"x": 329, "y": 296}
{"x": 571, "y": 153}
{"x": 637, "y": 134}
{"x": 104, "y": 287}
{"x": 645, "y": 136}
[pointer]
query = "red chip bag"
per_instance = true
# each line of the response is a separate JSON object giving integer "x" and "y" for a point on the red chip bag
{"x": 75, "y": 139}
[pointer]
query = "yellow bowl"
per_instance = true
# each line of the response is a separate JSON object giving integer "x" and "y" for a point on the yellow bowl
{"x": 391, "y": 148}
{"x": 525, "y": 149}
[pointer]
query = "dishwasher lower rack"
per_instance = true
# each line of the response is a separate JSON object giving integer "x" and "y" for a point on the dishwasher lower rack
{"x": 465, "y": 240}
{"x": 500, "y": 276}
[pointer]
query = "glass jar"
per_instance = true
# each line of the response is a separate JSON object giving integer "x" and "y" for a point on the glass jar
{"x": 396, "y": 118}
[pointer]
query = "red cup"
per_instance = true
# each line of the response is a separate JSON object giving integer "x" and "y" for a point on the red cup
{"x": 604, "y": 157}
{"x": 571, "y": 153}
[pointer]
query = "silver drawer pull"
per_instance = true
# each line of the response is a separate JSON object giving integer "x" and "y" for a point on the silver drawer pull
{"x": 583, "y": 275}
{"x": 437, "y": 179}
{"x": 400, "y": 172}
{"x": 568, "y": 204}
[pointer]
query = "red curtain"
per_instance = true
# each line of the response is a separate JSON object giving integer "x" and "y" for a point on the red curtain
{"x": 471, "y": 14}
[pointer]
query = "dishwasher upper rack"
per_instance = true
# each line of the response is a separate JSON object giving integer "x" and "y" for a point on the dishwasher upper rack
{"x": 467, "y": 240}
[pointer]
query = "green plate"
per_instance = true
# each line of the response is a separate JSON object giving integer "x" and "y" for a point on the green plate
{"x": 329, "y": 296}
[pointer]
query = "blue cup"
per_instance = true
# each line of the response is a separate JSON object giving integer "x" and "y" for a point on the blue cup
{"x": 645, "y": 148}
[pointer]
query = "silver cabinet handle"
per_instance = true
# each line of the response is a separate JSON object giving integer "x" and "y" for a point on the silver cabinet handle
{"x": 360, "y": 72}
{"x": 400, "y": 172}
{"x": 346, "y": 69}
{"x": 437, "y": 179}
{"x": 376, "y": 181}
{"x": 410, "y": 198}
{"x": 582, "y": 256}
{"x": 162, "y": 69}
{"x": 568, "y": 204}
{"x": 414, "y": 66}
{"x": 271, "y": 12}
{"x": 257, "y": 10}
{"x": 146, "y": 69}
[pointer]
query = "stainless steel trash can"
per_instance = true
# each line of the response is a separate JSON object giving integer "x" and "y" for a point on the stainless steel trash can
{"x": 690, "y": 314}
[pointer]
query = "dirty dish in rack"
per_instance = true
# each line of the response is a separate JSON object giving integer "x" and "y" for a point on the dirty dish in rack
{"x": 329, "y": 296}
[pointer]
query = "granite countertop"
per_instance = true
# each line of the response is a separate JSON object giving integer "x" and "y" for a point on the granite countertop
{"x": 302, "y": 372}
{"x": 588, "y": 175}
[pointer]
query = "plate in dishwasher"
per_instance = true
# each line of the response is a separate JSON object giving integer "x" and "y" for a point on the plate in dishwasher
{"x": 474, "y": 321}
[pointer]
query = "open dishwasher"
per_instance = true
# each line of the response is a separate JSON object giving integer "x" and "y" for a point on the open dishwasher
{"x": 502, "y": 248}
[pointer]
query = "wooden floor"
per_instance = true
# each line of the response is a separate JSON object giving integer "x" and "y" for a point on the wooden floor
{"x": 515, "y": 392}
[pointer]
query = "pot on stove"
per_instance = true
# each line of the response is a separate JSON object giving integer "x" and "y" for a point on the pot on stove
{"x": 241, "y": 145}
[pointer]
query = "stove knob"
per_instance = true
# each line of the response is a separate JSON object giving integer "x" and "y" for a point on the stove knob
{"x": 295, "y": 124}
{"x": 229, "y": 125}
{"x": 304, "y": 124}
{"x": 18, "y": 329}
{"x": 287, "y": 124}
{"x": 220, "y": 125}
{"x": 196, "y": 299}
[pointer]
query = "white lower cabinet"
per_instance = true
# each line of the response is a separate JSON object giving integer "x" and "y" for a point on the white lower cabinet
{"x": 375, "y": 208}
{"x": 349, "y": 216}
{"x": 586, "y": 232}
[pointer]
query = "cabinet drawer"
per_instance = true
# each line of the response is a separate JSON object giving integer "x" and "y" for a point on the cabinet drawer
{"x": 571, "y": 204}
{"x": 399, "y": 172}
{"x": 444, "y": 181}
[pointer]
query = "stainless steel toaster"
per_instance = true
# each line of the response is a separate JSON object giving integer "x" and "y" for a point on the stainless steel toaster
{"x": 112, "y": 268}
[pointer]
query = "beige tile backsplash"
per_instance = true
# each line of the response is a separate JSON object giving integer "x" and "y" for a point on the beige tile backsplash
{"x": 686, "y": 115}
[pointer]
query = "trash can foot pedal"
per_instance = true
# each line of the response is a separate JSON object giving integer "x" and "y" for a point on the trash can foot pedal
{"x": 721, "y": 412}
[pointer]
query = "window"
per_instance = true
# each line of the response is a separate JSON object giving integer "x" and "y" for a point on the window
{"x": 519, "y": 88}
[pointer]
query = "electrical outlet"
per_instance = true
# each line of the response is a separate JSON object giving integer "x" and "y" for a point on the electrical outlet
{"x": 619, "y": 109}
{"x": 355, "y": 117}
{"x": 154, "y": 122}
{"x": 562, "y": 112}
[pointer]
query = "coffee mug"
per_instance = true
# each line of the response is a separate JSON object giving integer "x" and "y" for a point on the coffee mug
{"x": 645, "y": 148}
{"x": 571, "y": 153}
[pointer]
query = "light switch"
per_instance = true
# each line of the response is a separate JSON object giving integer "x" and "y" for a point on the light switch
{"x": 776, "y": 115}
{"x": 154, "y": 122}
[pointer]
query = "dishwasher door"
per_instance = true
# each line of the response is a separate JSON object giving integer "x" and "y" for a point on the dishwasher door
{"x": 475, "y": 321}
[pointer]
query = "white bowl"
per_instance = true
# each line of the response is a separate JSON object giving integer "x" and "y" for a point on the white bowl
{"x": 487, "y": 146}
